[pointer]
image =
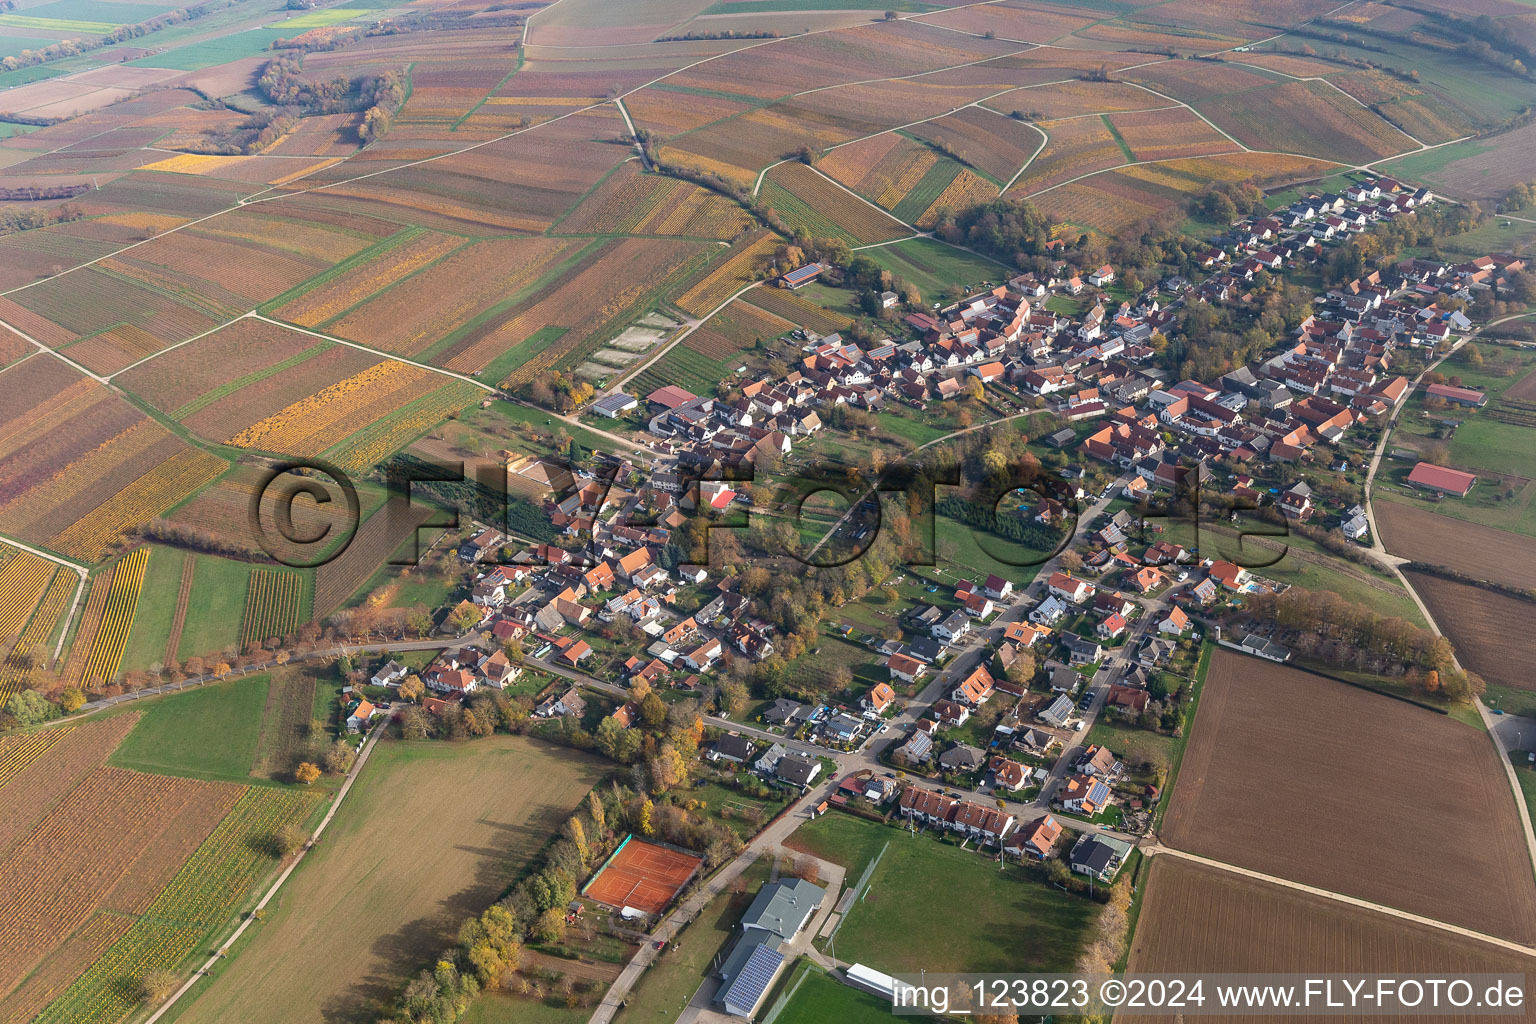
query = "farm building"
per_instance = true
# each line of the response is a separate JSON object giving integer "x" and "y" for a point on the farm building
{"x": 670, "y": 397}
{"x": 614, "y": 405}
{"x": 803, "y": 276}
{"x": 1438, "y": 478}
{"x": 1469, "y": 397}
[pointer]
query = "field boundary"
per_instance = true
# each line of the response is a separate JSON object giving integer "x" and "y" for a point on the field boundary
{"x": 1324, "y": 674}
{"x": 1340, "y": 897}
{"x": 277, "y": 884}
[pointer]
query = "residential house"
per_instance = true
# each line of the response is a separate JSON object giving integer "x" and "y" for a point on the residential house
{"x": 1099, "y": 856}
{"x": 879, "y": 697}
{"x": 1084, "y": 794}
{"x": 797, "y": 770}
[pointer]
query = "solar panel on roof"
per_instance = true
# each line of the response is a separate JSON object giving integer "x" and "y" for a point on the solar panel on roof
{"x": 755, "y": 977}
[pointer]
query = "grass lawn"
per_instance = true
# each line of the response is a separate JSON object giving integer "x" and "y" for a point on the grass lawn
{"x": 210, "y": 732}
{"x": 935, "y": 267}
{"x": 814, "y": 996}
{"x": 500, "y": 1009}
{"x": 1013, "y": 921}
{"x": 813, "y": 669}
{"x": 719, "y": 798}
{"x": 220, "y": 50}
{"x": 1526, "y": 774}
{"x": 539, "y": 419}
{"x": 216, "y": 607}
{"x": 665, "y": 988}
{"x": 156, "y": 608}
{"x": 967, "y": 553}
{"x": 363, "y": 901}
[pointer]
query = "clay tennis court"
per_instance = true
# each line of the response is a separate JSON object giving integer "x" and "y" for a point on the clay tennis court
{"x": 644, "y": 876}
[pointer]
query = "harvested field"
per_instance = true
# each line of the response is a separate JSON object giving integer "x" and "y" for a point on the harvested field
{"x": 1195, "y": 917}
{"x": 614, "y": 283}
{"x": 672, "y": 112}
{"x": 1070, "y": 99}
{"x": 968, "y": 189}
{"x": 807, "y": 199}
{"x": 285, "y": 723}
{"x": 512, "y": 795}
{"x": 736, "y": 327}
{"x": 327, "y": 417}
{"x": 1306, "y": 117}
{"x": 749, "y": 256}
{"x": 79, "y": 465}
{"x": 1489, "y": 629}
{"x": 893, "y": 172}
{"x": 179, "y": 616}
{"x": 377, "y": 539}
{"x": 992, "y": 143}
{"x": 1260, "y": 723}
{"x": 352, "y": 283}
{"x": 1014, "y": 19}
{"x": 1169, "y": 134}
{"x": 274, "y": 607}
{"x": 632, "y": 202}
{"x": 116, "y": 619}
{"x": 1195, "y": 82}
{"x": 1075, "y": 147}
{"x": 1489, "y": 167}
{"x": 787, "y": 305}
{"x": 203, "y": 896}
{"x": 190, "y": 378}
{"x": 429, "y": 306}
{"x": 1472, "y": 549}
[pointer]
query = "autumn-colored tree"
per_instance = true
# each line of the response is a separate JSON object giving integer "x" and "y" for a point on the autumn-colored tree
{"x": 156, "y": 987}
{"x": 72, "y": 700}
{"x": 598, "y": 813}
{"x": 668, "y": 769}
{"x": 412, "y": 688}
{"x": 339, "y": 758}
{"x": 550, "y": 927}
{"x": 306, "y": 773}
{"x": 578, "y": 837}
{"x": 653, "y": 710}
{"x": 645, "y": 817}
{"x": 639, "y": 689}
{"x": 221, "y": 669}
{"x": 513, "y": 649}
{"x": 288, "y": 840}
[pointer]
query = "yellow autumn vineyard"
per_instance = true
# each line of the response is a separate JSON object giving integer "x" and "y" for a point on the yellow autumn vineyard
{"x": 138, "y": 503}
{"x": 30, "y": 649}
{"x": 311, "y": 425}
{"x": 122, "y": 600}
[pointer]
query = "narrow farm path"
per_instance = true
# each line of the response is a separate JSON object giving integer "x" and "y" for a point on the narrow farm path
{"x": 1151, "y": 849}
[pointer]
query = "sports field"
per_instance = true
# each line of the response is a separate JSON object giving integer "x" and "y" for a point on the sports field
{"x": 431, "y": 833}
{"x": 644, "y": 876}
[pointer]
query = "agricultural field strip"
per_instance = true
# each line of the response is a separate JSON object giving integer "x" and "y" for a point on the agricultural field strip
{"x": 1342, "y": 898}
{"x": 256, "y": 198}
{"x": 179, "y": 344}
{"x": 903, "y": 127}
{"x": 866, "y": 202}
{"x": 682, "y": 337}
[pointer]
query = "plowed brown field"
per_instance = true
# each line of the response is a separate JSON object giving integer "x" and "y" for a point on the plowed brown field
{"x": 1304, "y": 778}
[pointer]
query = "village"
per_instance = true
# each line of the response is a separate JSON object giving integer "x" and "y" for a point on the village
{"x": 980, "y": 727}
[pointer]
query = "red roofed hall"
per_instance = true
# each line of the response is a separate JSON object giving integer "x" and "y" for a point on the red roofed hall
{"x": 670, "y": 397}
{"x": 1438, "y": 478}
